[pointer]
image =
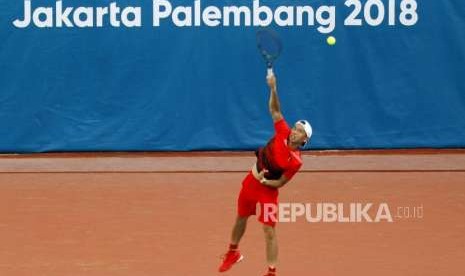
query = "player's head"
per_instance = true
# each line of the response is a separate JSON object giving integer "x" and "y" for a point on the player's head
{"x": 301, "y": 132}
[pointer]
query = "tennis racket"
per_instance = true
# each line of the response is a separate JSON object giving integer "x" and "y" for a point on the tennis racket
{"x": 270, "y": 47}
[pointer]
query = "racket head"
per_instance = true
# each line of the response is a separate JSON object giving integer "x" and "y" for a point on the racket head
{"x": 269, "y": 45}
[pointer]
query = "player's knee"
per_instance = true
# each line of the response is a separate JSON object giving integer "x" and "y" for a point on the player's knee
{"x": 270, "y": 232}
{"x": 241, "y": 220}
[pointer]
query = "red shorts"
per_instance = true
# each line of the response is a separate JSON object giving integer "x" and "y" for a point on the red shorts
{"x": 253, "y": 193}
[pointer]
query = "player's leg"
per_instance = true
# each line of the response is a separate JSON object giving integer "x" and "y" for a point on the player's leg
{"x": 246, "y": 206}
{"x": 233, "y": 255}
{"x": 238, "y": 230}
{"x": 271, "y": 248}
{"x": 268, "y": 217}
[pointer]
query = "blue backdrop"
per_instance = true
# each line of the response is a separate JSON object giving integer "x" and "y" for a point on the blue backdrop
{"x": 171, "y": 88}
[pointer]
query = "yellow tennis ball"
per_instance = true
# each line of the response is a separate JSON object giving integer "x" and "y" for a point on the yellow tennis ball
{"x": 331, "y": 40}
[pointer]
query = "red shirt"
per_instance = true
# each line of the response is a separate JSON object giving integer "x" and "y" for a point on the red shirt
{"x": 277, "y": 157}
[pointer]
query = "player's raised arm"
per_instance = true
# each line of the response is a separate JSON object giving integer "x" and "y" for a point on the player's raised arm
{"x": 274, "y": 106}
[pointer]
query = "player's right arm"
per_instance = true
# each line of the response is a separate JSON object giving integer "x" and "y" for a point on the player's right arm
{"x": 273, "y": 104}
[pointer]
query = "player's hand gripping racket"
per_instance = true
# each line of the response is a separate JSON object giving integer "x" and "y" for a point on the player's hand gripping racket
{"x": 270, "y": 47}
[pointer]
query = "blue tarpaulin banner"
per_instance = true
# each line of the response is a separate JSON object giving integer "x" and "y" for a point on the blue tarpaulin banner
{"x": 100, "y": 75}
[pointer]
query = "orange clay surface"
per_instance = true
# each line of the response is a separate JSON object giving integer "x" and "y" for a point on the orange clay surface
{"x": 171, "y": 214}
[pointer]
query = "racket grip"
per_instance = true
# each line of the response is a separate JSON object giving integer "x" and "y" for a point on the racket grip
{"x": 269, "y": 72}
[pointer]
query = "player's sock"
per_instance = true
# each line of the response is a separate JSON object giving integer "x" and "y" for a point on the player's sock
{"x": 233, "y": 247}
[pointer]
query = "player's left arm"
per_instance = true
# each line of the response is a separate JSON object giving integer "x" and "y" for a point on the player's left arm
{"x": 278, "y": 183}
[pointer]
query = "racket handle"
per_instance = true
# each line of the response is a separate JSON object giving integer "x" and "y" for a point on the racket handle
{"x": 269, "y": 72}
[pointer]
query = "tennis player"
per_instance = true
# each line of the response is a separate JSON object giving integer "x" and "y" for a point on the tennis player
{"x": 276, "y": 164}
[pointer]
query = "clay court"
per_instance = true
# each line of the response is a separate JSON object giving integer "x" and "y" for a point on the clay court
{"x": 128, "y": 127}
{"x": 170, "y": 214}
